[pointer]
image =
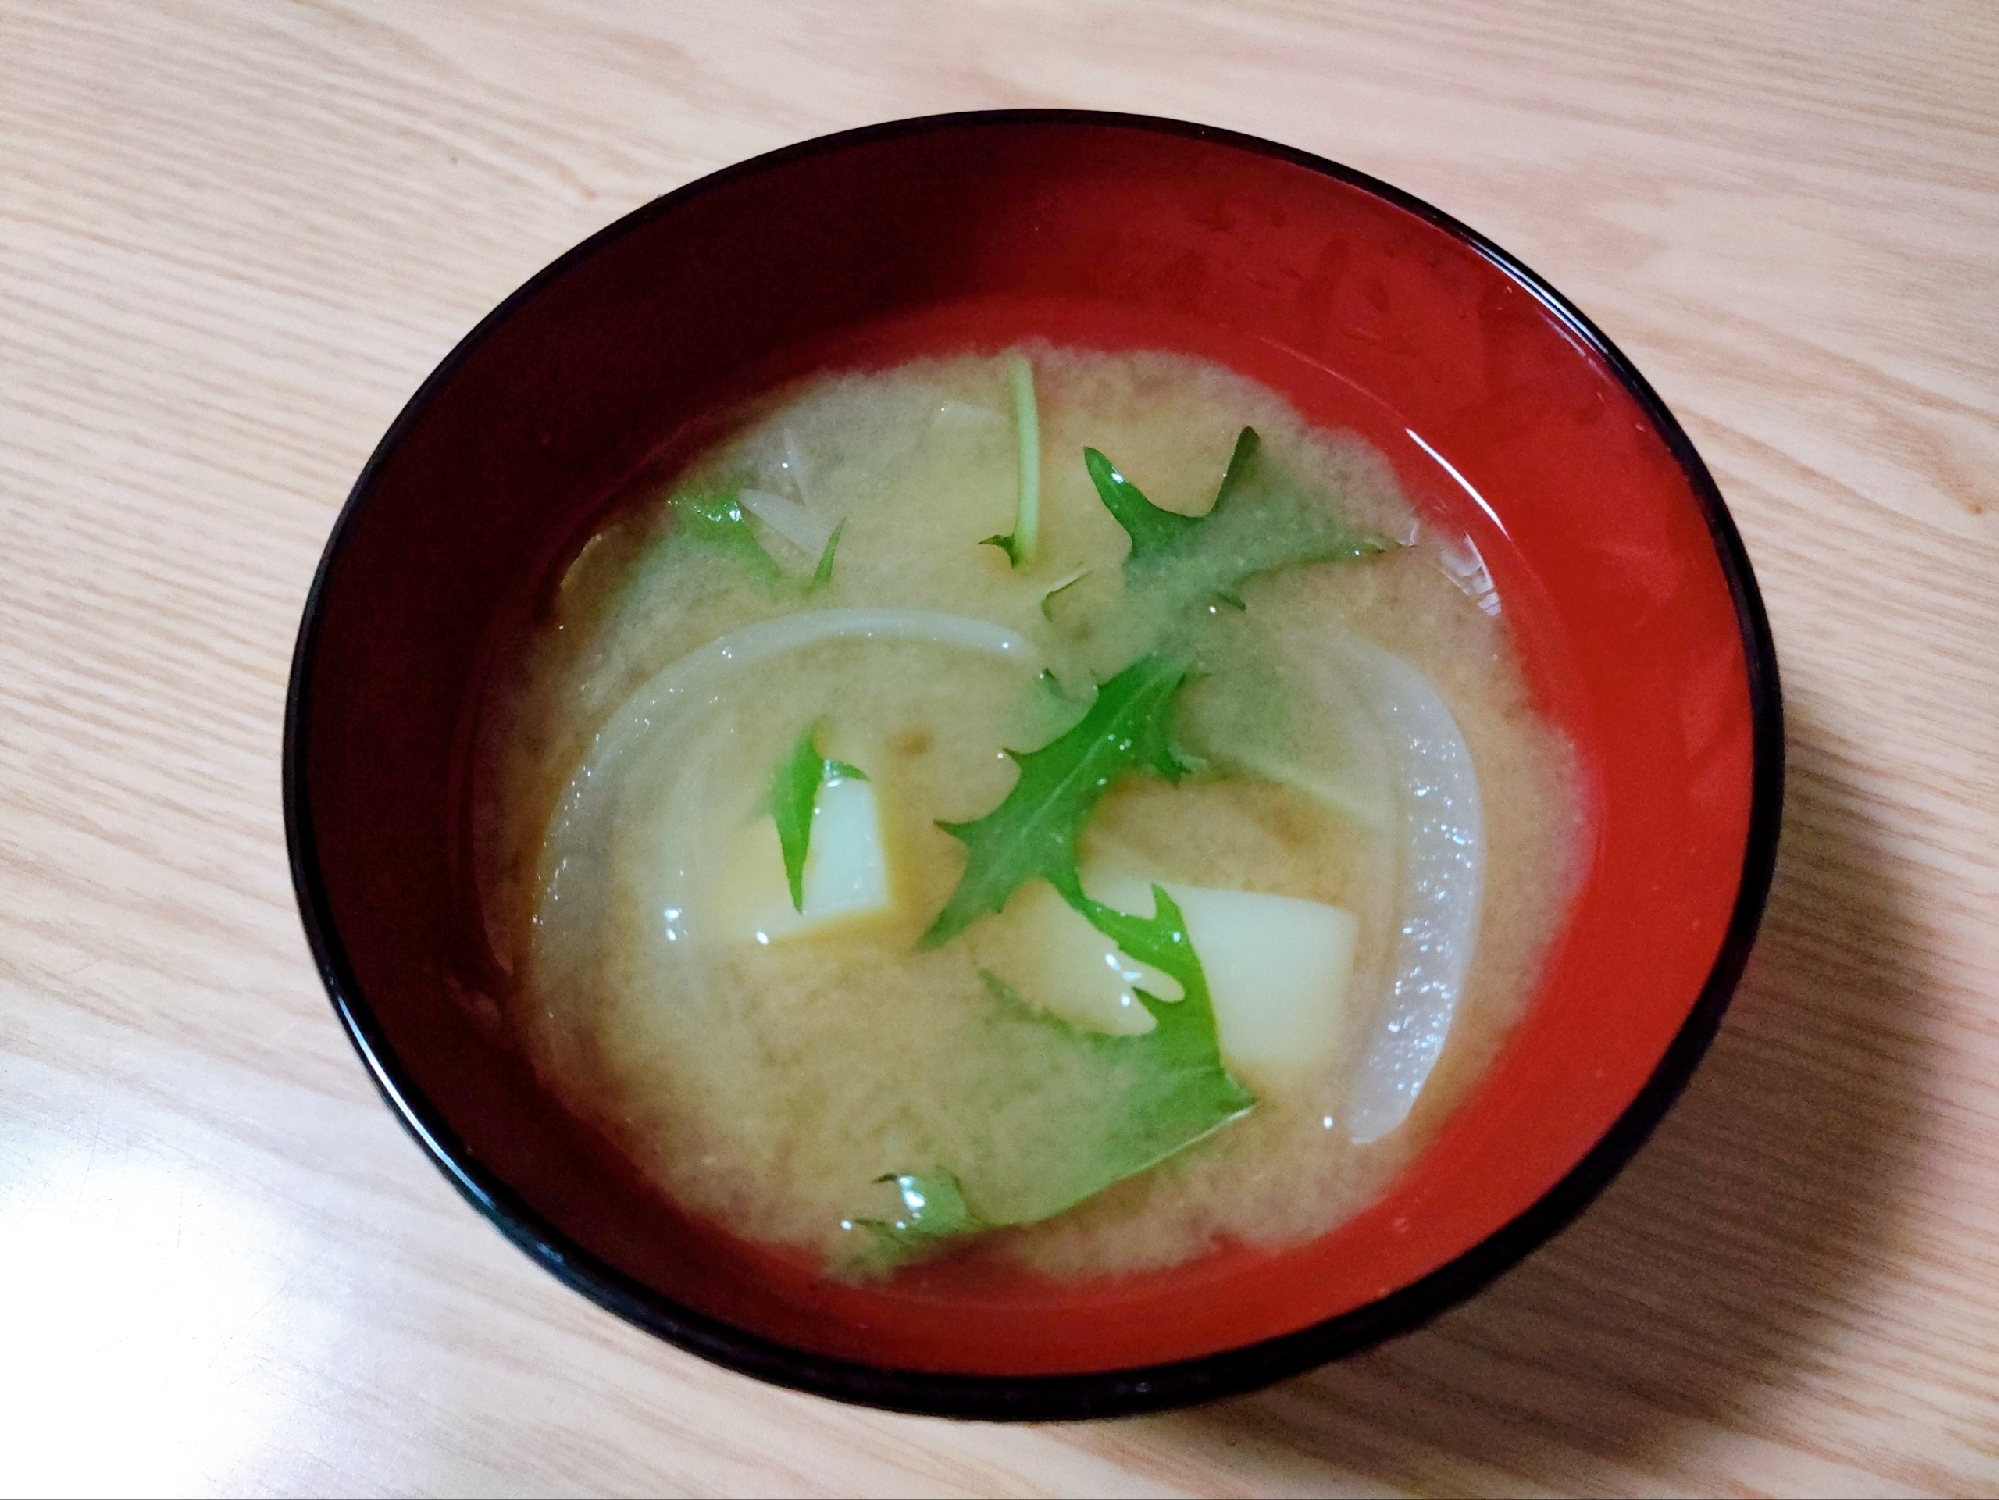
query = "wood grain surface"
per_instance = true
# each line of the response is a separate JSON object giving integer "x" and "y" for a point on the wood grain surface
{"x": 237, "y": 236}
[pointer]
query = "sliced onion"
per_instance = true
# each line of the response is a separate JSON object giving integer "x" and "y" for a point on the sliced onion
{"x": 699, "y": 677}
{"x": 806, "y": 531}
{"x": 1442, "y": 872}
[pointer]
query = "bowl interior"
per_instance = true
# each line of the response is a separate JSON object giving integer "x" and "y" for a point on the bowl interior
{"x": 1505, "y": 419}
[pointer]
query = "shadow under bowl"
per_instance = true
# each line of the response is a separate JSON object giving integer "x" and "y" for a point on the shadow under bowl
{"x": 1508, "y": 418}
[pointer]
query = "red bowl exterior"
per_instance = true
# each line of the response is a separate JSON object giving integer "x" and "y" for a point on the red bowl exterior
{"x": 1507, "y": 415}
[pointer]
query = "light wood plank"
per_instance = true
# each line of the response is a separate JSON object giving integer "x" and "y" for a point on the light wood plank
{"x": 233, "y": 238}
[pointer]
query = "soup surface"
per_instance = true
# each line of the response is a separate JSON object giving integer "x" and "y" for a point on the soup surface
{"x": 796, "y": 914}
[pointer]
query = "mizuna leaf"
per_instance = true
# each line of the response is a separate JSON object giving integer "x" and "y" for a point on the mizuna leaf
{"x": 1260, "y": 521}
{"x": 1034, "y": 830}
{"x": 823, "y": 573}
{"x": 1171, "y": 1090}
{"x": 714, "y": 521}
{"x": 931, "y": 1207}
{"x": 1069, "y": 581}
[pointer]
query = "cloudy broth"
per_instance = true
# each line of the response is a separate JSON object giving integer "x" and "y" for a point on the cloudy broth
{"x": 769, "y": 1063}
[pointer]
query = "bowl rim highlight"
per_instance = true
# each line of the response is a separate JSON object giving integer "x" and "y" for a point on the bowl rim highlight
{"x": 1115, "y": 1391}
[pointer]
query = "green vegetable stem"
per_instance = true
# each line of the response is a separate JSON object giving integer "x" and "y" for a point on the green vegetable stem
{"x": 1019, "y": 545}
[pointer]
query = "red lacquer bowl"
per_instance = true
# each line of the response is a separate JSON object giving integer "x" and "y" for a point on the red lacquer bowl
{"x": 1508, "y": 416}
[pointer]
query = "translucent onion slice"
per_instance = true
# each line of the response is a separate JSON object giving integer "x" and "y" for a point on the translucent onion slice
{"x": 1442, "y": 872}
{"x": 806, "y": 531}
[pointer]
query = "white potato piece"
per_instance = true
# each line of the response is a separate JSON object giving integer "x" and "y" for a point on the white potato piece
{"x": 1278, "y": 969}
{"x": 847, "y": 875}
{"x": 1060, "y": 963}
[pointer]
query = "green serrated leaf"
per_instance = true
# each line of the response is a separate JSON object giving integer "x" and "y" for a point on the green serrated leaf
{"x": 1154, "y": 532}
{"x": 1048, "y": 595}
{"x": 1260, "y": 521}
{"x": 1243, "y": 458}
{"x": 823, "y": 573}
{"x": 1007, "y": 545}
{"x": 1182, "y": 1092}
{"x": 714, "y": 521}
{"x": 792, "y": 799}
{"x": 931, "y": 1207}
{"x": 1047, "y": 712}
{"x": 1034, "y": 831}
{"x": 1172, "y": 1089}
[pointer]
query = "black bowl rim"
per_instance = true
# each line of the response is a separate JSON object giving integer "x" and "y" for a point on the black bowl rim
{"x": 1094, "y": 1393}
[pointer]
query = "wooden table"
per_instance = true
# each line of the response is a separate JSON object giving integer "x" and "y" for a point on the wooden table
{"x": 236, "y": 237}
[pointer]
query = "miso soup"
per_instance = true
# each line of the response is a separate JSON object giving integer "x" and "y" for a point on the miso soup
{"x": 1055, "y": 800}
